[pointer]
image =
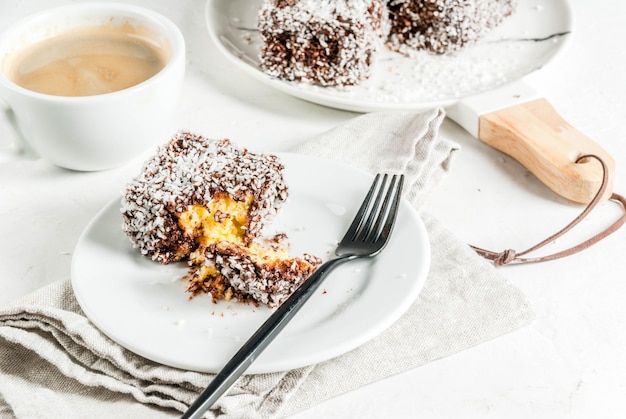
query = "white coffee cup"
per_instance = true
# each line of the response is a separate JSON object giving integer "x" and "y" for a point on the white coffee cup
{"x": 101, "y": 131}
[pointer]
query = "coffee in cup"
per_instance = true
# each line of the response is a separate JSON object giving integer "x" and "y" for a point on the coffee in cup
{"x": 92, "y": 85}
{"x": 87, "y": 61}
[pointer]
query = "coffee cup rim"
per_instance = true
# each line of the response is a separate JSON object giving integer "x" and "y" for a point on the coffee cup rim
{"x": 171, "y": 30}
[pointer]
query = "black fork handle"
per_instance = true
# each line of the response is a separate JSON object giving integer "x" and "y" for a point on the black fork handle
{"x": 261, "y": 339}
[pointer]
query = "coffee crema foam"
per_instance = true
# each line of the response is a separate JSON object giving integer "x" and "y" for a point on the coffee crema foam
{"x": 88, "y": 61}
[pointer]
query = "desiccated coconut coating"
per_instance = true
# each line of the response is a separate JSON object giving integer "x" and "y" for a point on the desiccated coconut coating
{"x": 191, "y": 170}
{"x": 443, "y": 26}
{"x": 325, "y": 42}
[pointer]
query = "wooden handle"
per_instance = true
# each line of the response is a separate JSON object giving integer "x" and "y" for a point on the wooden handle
{"x": 534, "y": 134}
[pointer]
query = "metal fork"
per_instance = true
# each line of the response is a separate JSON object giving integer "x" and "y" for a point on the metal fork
{"x": 366, "y": 237}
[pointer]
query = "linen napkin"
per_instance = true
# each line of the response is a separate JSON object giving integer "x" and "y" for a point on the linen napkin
{"x": 52, "y": 359}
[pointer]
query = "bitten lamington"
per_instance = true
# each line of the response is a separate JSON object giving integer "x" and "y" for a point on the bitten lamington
{"x": 207, "y": 201}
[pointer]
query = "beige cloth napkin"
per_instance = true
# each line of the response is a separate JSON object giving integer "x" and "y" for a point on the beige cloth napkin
{"x": 53, "y": 361}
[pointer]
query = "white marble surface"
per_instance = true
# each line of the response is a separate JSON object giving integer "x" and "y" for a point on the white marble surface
{"x": 570, "y": 363}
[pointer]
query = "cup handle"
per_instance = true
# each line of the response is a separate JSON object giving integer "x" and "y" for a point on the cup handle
{"x": 13, "y": 147}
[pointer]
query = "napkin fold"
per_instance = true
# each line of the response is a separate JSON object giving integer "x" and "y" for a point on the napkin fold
{"x": 52, "y": 359}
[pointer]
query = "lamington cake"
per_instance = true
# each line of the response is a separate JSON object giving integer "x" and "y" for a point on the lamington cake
{"x": 443, "y": 26}
{"x": 207, "y": 202}
{"x": 334, "y": 43}
{"x": 323, "y": 42}
{"x": 259, "y": 272}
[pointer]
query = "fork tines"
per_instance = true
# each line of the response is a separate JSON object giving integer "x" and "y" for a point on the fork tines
{"x": 378, "y": 211}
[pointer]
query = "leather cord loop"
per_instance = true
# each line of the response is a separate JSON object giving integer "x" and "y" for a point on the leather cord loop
{"x": 510, "y": 256}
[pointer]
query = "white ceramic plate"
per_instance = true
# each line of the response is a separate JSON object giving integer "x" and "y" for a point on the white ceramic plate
{"x": 143, "y": 306}
{"x": 524, "y": 43}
